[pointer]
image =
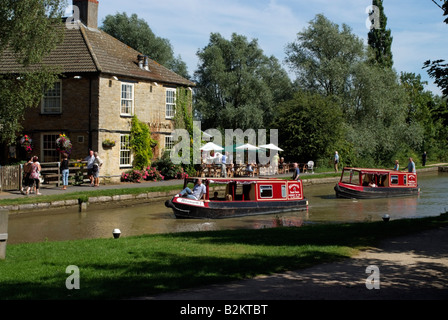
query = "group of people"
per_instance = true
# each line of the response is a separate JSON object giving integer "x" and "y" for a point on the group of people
{"x": 411, "y": 165}
{"x": 32, "y": 172}
{"x": 31, "y": 178}
{"x": 94, "y": 164}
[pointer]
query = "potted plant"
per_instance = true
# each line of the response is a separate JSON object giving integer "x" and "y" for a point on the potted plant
{"x": 63, "y": 144}
{"x": 107, "y": 143}
{"x": 25, "y": 142}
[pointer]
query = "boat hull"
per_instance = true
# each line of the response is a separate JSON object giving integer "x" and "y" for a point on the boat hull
{"x": 193, "y": 209}
{"x": 356, "y": 192}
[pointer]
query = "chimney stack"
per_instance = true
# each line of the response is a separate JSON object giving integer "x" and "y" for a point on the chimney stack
{"x": 88, "y": 12}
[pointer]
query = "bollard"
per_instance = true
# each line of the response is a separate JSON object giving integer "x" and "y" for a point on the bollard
{"x": 3, "y": 232}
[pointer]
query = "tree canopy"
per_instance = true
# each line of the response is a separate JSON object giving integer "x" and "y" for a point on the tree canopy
{"x": 379, "y": 37}
{"x": 237, "y": 85}
{"x": 136, "y": 33}
{"x": 28, "y": 31}
{"x": 323, "y": 56}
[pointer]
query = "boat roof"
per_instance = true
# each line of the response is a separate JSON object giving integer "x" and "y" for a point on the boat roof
{"x": 243, "y": 180}
{"x": 373, "y": 170}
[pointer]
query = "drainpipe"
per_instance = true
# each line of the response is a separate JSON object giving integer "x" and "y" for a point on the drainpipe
{"x": 90, "y": 113}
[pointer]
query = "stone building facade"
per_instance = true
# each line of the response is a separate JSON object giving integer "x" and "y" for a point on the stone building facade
{"x": 103, "y": 85}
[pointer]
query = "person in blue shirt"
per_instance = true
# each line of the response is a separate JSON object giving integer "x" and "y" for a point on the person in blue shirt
{"x": 198, "y": 192}
{"x": 336, "y": 161}
{"x": 411, "y": 166}
{"x": 296, "y": 173}
{"x": 396, "y": 166}
{"x": 223, "y": 164}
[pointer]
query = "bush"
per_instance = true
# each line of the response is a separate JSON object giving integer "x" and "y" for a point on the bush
{"x": 168, "y": 169}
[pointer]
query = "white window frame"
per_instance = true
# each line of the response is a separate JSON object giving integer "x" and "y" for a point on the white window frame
{"x": 268, "y": 188}
{"x": 47, "y": 149}
{"x": 170, "y": 103}
{"x": 55, "y": 96}
{"x": 127, "y": 110}
{"x": 169, "y": 143}
{"x": 125, "y": 159}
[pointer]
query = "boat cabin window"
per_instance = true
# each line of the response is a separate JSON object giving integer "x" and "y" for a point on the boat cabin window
{"x": 240, "y": 192}
{"x": 265, "y": 191}
{"x": 404, "y": 179}
{"x": 347, "y": 177}
{"x": 283, "y": 191}
{"x": 394, "y": 179}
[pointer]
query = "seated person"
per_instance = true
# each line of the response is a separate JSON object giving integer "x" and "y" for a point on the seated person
{"x": 372, "y": 184}
{"x": 198, "y": 193}
{"x": 215, "y": 196}
{"x": 249, "y": 169}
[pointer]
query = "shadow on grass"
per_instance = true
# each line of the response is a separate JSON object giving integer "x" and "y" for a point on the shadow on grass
{"x": 137, "y": 266}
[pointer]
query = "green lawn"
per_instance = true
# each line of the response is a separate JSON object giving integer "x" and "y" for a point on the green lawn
{"x": 151, "y": 264}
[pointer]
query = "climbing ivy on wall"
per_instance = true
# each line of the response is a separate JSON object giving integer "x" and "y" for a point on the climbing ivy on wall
{"x": 141, "y": 142}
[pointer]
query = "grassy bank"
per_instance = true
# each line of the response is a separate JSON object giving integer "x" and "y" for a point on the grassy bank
{"x": 151, "y": 264}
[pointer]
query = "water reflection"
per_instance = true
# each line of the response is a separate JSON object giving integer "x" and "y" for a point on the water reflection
{"x": 156, "y": 218}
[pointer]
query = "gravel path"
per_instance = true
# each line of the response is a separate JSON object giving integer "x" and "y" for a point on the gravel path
{"x": 413, "y": 267}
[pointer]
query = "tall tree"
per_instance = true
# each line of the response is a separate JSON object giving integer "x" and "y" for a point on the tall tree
{"x": 438, "y": 69}
{"x": 323, "y": 56}
{"x": 379, "y": 37}
{"x": 237, "y": 85}
{"x": 29, "y": 30}
{"x": 136, "y": 33}
{"x": 309, "y": 126}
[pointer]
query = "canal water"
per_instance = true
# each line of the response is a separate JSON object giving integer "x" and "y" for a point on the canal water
{"x": 152, "y": 218}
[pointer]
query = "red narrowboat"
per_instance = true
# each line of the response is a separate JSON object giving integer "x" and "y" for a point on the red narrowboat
{"x": 242, "y": 197}
{"x": 360, "y": 183}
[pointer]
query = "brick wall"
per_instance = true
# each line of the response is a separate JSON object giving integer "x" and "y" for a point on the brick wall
{"x": 148, "y": 106}
{"x": 95, "y": 102}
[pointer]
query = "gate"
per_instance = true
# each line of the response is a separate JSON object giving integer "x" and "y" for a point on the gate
{"x": 10, "y": 178}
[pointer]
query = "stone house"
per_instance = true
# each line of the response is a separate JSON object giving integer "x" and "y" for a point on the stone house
{"x": 104, "y": 83}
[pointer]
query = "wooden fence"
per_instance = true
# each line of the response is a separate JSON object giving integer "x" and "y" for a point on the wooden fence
{"x": 11, "y": 176}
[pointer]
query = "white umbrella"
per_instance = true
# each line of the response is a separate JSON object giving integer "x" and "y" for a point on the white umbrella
{"x": 247, "y": 146}
{"x": 211, "y": 146}
{"x": 271, "y": 146}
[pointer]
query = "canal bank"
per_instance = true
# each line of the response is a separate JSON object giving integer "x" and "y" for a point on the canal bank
{"x": 84, "y": 195}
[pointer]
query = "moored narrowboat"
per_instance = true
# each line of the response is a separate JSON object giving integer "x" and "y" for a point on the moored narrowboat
{"x": 364, "y": 183}
{"x": 241, "y": 197}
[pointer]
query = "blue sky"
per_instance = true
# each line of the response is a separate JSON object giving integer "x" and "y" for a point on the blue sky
{"x": 417, "y": 26}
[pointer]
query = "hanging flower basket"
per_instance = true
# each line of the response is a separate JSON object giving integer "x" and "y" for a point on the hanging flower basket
{"x": 108, "y": 143}
{"x": 63, "y": 144}
{"x": 26, "y": 142}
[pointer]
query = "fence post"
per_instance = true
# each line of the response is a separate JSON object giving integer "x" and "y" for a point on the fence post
{"x": 3, "y": 232}
{"x": 59, "y": 174}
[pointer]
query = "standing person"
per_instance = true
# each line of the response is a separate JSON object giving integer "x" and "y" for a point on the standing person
{"x": 90, "y": 158}
{"x": 26, "y": 183}
{"x": 275, "y": 160}
{"x": 296, "y": 173}
{"x": 336, "y": 161}
{"x": 411, "y": 166}
{"x": 224, "y": 164}
{"x": 65, "y": 170}
{"x": 424, "y": 158}
{"x": 396, "y": 166}
{"x": 34, "y": 175}
{"x": 97, "y": 163}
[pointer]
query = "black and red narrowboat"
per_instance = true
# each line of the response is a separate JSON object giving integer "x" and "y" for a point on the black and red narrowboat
{"x": 240, "y": 197}
{"x": 364, "y": 183}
